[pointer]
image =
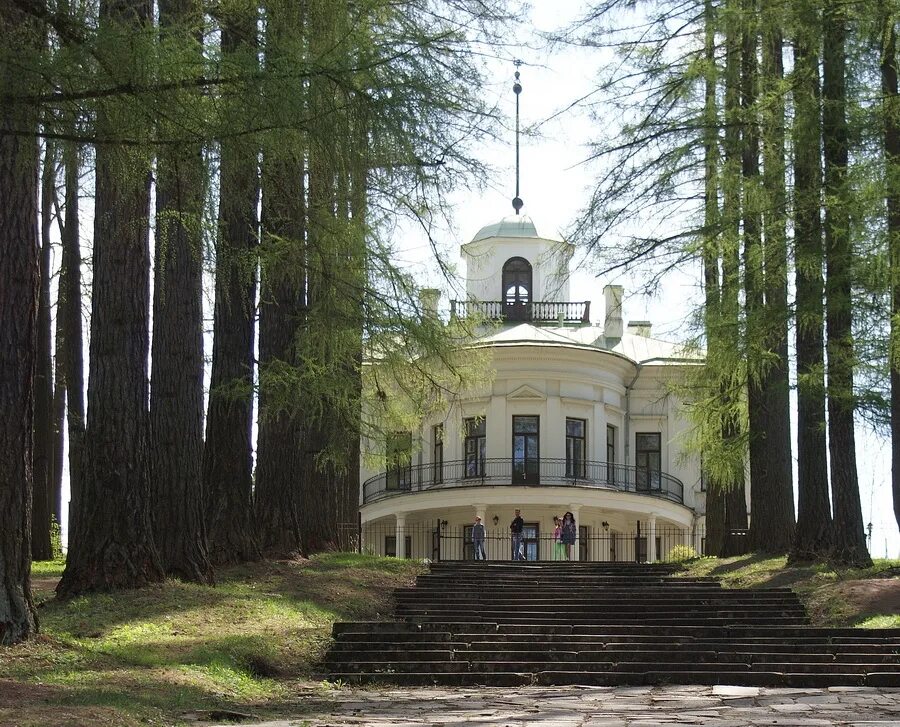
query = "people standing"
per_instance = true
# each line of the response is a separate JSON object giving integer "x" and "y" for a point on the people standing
{"x": 559, "y": 550}
{"x": 478, "y": 539}
{"x": 569, "y": 533}
{"x": 515, "y": 528}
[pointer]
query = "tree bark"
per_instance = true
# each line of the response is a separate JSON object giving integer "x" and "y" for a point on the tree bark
{"x": 849, "y": 536}
{"x": 41, "y": 548}
{"x": 779, "y": 511}
{"x": 812, "y": 537}
{"x": 176, "y": 379}
{"x": 228, "y": 453}
{"x": 19, "y": 290}
{"x": 891, "y": 113}
{"x": 59, "y": 417}
{"x": 72, "y": 343}
{"x": 114, "y": 547}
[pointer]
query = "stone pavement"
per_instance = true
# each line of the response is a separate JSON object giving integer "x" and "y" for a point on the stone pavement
{"x": 719, "y": 706}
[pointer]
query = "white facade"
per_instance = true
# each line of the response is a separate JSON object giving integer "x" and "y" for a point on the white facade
{"x": 578, "y": 417}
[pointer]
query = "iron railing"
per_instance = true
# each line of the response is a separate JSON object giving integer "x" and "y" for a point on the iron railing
{"x": 439, "y": 541}
{"x": 530, "y": 472}
{"x": 533, "y": 312}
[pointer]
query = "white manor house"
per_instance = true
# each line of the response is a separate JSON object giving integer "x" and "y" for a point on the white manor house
{"x": 578, "y": 417}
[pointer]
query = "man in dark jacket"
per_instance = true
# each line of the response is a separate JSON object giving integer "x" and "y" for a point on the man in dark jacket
{"x": 515, "y": 528}
{"x": 478, "y": 539}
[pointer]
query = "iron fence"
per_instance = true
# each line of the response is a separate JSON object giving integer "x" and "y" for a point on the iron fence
{"x": 438, "y": 541}
{"x": 537, "y": 471}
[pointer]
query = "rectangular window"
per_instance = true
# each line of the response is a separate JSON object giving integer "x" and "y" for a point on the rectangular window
{"x": 576, "y": 438}
{"x": 647, "y": 460}
{"x": 437, "y": 453}
{"x": 399, "y": 461}
{"x": 526, "y": 450}
{"x": 475, "y": 446}
{"x": 390, "y": 546}
{"x": 610, "y": 453}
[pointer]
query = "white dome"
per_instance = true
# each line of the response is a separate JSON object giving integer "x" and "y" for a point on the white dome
{"x": 511, "y": 226}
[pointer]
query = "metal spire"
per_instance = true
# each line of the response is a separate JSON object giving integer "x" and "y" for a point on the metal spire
{"x": 517, "y": 202}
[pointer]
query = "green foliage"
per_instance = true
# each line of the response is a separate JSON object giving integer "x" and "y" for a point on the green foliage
{"x": 56, "y": 548}
{"x": 681, "y": 553}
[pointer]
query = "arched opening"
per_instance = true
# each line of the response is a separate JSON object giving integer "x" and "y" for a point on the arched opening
{"x": 517, "y": 289}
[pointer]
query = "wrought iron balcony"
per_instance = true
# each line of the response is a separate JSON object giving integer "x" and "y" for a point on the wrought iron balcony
{"x": 541, "y": 472}
{"x": 534, "y": 312}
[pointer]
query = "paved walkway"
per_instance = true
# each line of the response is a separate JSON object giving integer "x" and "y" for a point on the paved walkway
{"x": 601, "y": 707}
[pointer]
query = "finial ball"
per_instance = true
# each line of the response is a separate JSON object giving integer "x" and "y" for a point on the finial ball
{"x": 517, "y": 88}
{"x": 517, "y": 204}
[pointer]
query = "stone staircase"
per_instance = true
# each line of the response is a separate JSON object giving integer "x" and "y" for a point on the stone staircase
{"x": 603, "y": 624}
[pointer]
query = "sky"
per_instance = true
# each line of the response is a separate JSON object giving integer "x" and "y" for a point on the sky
{"x": 555, "y": 184}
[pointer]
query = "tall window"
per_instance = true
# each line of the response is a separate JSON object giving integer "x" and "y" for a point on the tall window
{"x": 647, "y": 460}
{"x": 575, "y": 447}
{"x": 399, "y": 461}
{"x": 517, "y": 289}
{"x": 437, "y": 453}
{"x": 610, "y": 453}
{"x": 474, "y": 447}
{"x": 526, "y": 449}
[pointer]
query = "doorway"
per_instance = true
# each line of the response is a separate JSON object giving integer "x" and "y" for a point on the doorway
{"x": 526, "y": 450}
{"x": 531, "y": 539}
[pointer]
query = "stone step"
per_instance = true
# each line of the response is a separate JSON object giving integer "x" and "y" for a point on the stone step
{"x": 699, "y": 621}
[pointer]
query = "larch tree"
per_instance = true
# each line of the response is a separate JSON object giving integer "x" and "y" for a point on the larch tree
{"x": 812, "y": 537}
{"x": 228, "y": 449}
{"x": 19, "y": 288}
{"x": 849, "y": 542}
{"x": 114, "y": 547}
{"x": 176, "y": 379}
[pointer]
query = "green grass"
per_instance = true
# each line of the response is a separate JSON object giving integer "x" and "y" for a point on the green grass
{"x": 830, "y": 593}
{"x": 154, "y": 653}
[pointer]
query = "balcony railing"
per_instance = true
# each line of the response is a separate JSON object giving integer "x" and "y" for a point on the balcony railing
{"x": 531, "y": 472}
{"x": 535, "y": 312}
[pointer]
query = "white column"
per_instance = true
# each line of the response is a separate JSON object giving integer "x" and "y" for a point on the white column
{"x": 553, "y": 431}
{"x": 401, "y": 534}
{"x": 576, "y": 555}
{"x": 651, "y": 539}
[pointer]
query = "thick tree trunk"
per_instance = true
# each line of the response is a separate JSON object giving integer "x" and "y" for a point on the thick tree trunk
{"x": 891, "y": 112}
{"x": 71, "y": 351}
{"x": 41, "y": 548}
{"x": 176, "y": 380}
{"x": 849, "y": 536}
{"x": 227, "y": 454}
{"x": 780, "y": 486}
{"x": 114, "y": 547}
{"x": 733, "y": 502}
{"x": 282, "y": 445}
{"x": 812, "y": 537}
{"x": 19, "y": 290}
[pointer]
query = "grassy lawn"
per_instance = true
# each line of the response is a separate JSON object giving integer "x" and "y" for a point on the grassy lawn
{"x": 867, "y": 597}
{"x": 249, "y": 645}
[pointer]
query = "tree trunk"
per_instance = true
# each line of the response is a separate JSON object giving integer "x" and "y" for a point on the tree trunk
{"x": 73, "y": 337}
{"x": 41, "y": 548}
{"x": 891, "y": 110}
{"x": 812, "y": 537}
{"x": 780, "y": 486}
{"x": 59, "y": 416}
{"x": 228, "y": 452}
{"x": 733, "y": 507}
{"x": 849, "y": 536}
{"x": 282, "y": 444}
{"x": 114, "y": 547}
{"x": 176, "y": 381}
{"x": 19, "y": 290}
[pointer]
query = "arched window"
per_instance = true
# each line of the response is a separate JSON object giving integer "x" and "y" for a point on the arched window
{"x": 517, "y": 289}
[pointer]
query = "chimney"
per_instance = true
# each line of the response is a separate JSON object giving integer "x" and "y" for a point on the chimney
{"x": 428, "y": 302}
{"x": 612, "y": 325}
{"x": 640, "y": 328}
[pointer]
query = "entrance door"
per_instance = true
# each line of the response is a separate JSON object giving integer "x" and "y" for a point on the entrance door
{"x": 531, "y": 537}
{"x": 526, "y": 450}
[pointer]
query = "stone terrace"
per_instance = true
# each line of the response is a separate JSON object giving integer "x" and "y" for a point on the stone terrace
{"x": 604, "y": 624}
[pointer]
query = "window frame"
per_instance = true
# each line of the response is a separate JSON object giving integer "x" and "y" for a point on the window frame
{"x": 474, "y": 447}
{"x": 644, "y": 479}
{"x": 576, "y": 467}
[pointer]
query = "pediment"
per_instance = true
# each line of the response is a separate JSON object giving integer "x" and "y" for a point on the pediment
{"x": 526, "y": 393}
